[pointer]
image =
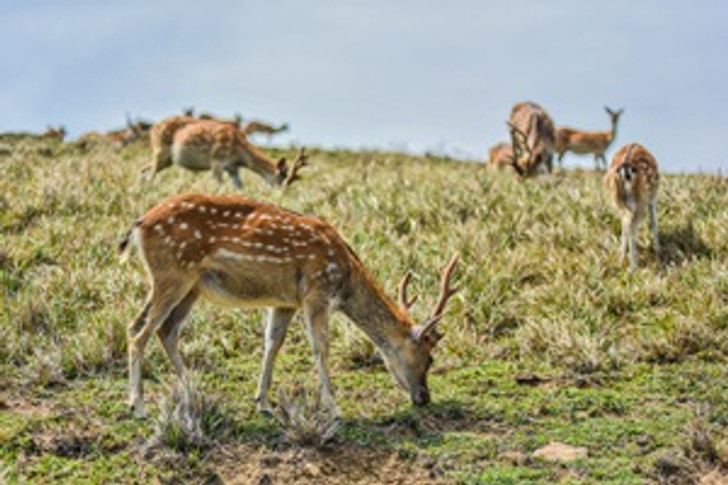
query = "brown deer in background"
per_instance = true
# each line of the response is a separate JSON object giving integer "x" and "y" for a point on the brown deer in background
{"x": 532, "y": 138}
{"x": 55, "y": 133}
{"x": 218, "y": 146}
{"x": 240, "y": 252}
{"x": 586, "y": 142}
{"x": 632, "y": 181}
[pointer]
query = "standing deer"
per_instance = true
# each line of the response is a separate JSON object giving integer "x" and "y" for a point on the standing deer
{"x": 532, "y": 138}
{"x": 585, "y": 142}
{"x": 632, "y": 181}
{"x": 240, "y": 252}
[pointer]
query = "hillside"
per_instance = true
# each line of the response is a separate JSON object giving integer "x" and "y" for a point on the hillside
{"x": 550, "y": 339}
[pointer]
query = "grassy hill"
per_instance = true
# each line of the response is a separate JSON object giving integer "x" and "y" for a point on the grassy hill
{"x": 551, "y": 339}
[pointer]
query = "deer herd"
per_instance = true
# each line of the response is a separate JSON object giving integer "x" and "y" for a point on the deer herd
{"x": 234, "y": 251}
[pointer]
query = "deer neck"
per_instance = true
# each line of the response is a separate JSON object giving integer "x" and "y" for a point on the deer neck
{"x": 260, "y": 163}
{"x": 613, "y": 133}
{"x": 374, "y": 313}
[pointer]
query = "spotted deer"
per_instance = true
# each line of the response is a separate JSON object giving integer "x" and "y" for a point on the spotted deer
{"x": 239, "y": 252}
{"x": 199, "y": 145}
{"x": 632, "y": 181}
{"x": 588, "y": 142}
{"x": 532, "y": 138}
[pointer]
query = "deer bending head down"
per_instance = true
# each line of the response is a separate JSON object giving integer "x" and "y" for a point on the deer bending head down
{"x": 588, "y": 142}
{"x": 632, "y": 181}
{"x": 532, "y": 138}
{"x": 199, "y": 145}
{"x": 236, "y": 251}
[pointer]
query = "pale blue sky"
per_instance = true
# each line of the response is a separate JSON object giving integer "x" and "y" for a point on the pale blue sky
{"x": 415, "y": 75}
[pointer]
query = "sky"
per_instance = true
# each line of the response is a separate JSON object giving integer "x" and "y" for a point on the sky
{"x": 419, "y": 76}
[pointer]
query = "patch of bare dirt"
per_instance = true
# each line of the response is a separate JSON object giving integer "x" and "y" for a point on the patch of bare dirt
{"x": 243, "y": 465}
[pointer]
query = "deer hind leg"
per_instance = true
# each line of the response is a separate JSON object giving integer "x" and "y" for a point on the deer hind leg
{"x": 653, "y": 227}
{"x": 624, "y": 239}
{"x": 275, "y": 333}
{"x": 633, "y": 243}
{"x": 317, "y": 324}
{"x": 169, "y": 331}
{"x": 156, "y": 310}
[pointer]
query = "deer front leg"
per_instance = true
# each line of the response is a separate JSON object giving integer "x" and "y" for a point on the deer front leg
{"x": 275, "y": 334}
{"x": 317, "y": 323}
{"x": 232, "y": 170}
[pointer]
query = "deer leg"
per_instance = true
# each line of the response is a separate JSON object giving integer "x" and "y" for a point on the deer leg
{"x": 169, "y": 331}
{"x": 275, "y": 334}
{"x": 232, "y": 170}
{"x": 633, "y": 243}
{"x": 155, "y": 312}
{"x": 625, "y": 238}
{"x": 653, "y": 227}
{"x": 317, "y": 323}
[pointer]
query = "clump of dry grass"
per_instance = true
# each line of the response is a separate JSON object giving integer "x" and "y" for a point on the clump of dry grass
{"x": 189, "y": 419}
{"x": 304, "y": 421}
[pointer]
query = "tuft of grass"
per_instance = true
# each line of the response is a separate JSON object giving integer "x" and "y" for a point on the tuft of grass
{"x": 189, "y": 419}
{"x": 304, "y": 421}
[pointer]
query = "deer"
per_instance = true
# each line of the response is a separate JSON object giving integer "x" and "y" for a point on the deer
{"x": 221, "y": 147}
{"x": 500, "y": 156}
{"x": 52, "y": 133}
{"x": 631, "y": 181}
{"x": 586, "y": 142}
{"x": 532, "y": 138}
{"x": 239, "y": 252}
{"x": 252, "y": 127}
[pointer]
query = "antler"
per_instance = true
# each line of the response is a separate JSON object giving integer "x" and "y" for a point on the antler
{"x": 403, "y": 301}
{"x": 301, "y": 161}
{"x": 517, "y": 131}
{"x": 446, "y": 291}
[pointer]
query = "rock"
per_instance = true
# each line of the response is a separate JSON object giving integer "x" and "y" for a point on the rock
{"x": 560, "y": 452}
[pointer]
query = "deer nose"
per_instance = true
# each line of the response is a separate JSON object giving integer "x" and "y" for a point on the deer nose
{"x": 421, "y": 397}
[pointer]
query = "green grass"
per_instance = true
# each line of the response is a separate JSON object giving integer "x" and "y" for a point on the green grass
{"x": 550, "y": 339}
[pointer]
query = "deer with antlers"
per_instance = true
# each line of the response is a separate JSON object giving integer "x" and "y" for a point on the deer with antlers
{"x": 240, "y": 252}
{"x": 532, "y": 138}
{"x": 632, "y": 181}
{"x": 588, "y": 142}
{"x": 218, "y": 146}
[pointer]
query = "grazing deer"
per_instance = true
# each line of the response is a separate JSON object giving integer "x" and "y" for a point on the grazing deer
{"x": 240, "y": 252}
{"x": 585, "y": 142}
{"x": 55, "y": 133}
{"x": 532, "y": 138}
{"x": 632, "y": 181}
{"x": 222, "y": 147}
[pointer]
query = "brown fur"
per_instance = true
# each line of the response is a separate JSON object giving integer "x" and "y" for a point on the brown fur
{"x": 501, "y": 157}
{"x": 536, "y": 150}
{"x": 632, "y": 181}
{"x": 235, "y": 251}
{"x": 587, "y": 142}
{"x": 55, "y": 133}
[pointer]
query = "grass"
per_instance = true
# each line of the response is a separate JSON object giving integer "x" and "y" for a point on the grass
{"x": 550, "y": 339}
